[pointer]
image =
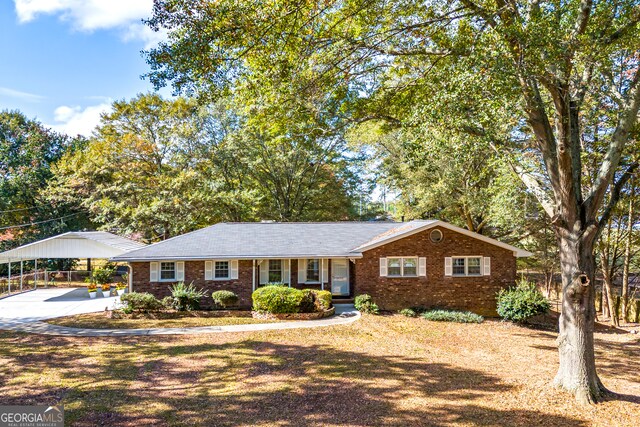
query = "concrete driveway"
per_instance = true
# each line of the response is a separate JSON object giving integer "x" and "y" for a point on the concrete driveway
{"x": 48, "y": 303}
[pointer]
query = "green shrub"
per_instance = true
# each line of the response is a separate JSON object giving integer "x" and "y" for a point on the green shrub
{"x": 409, "y": 312}
{"x": 140, "y": 301}
{"x": 186, "y": 297}
{"x": 419, "y": 309}
{"x": 103, "y": 275}
{"x": 452, "y": 316}
{"x": 167, "y": 302}
{"x": 279, "y": 299}
{"x": 364, "y": 304}
{"x": 521, "y": 302}
{"x": 323, "y": 299}
{"x": 224, "y": 299}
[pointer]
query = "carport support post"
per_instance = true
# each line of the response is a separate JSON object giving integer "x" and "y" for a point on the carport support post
{"x": 9, "y": 277}
{"x": 20, "y": 275}
{"x": 35, "y": 275}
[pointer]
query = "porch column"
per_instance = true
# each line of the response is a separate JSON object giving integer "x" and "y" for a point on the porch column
{"x": 9, "y": 277}
{"x": 322, "y": 274}
{"x": 253, "y": 275}
{"x": 130, "y": 278}
{"x": 20, "y": 275}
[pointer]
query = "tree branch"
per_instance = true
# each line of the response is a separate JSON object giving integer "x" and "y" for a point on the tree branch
{"x": 614, "y": 153}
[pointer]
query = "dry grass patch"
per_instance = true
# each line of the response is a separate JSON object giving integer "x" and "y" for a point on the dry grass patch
{"x": 103, "y": 320}
{"x": 380, "y": 370}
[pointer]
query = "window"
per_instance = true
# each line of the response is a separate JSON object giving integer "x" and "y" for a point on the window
{"x": 402, "y": 267}
{"x": 313, "y": 270}
{"x": 275, "y": 271}
{"x": 394, "y": 267}
{"x": 436, "y": 236}
{"x": 409, "y": 266}
{"x": 458, "y": 266}
{"x": 473, "y": 266}
{"x": 221, "y": 270}
{"x": 167, "y": 271}
{"x": 467, "y": 266}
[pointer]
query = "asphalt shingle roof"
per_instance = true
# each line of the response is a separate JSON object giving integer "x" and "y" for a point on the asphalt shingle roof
{"x": 263, "y": 239}
{"x": 250, "y": 240}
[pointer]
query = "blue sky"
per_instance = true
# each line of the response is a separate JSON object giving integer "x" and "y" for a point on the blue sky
{"x": 64, "y": 61}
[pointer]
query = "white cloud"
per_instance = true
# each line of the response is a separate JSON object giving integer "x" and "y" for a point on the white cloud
{"x": 77, "y": 120}
{"x": 139, "y": 31}
{"x": 25, "y": 96}
{"x": 91, "y": 15}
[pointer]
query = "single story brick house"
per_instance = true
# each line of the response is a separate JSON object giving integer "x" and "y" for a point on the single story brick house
{"x": 419, "y": 263}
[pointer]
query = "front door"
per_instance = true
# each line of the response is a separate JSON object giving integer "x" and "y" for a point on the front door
{"x": 340, "y": 276}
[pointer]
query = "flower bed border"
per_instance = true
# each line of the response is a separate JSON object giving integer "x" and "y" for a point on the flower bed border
{"x": 293, "y": 316}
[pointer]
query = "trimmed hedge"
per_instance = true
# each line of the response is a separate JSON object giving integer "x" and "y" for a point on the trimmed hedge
{"x": 452, "y": 316}
{"x": 323, "y": 299}
{"x": 141, "y": 301}
{"x": 224, "y": 299}
{"x": 364, "y": 304}
{"x": 278, "y": 299}
{"x": 521, "y": 302}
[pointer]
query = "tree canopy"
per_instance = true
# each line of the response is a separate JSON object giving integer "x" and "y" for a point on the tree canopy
{"x": 552, "y": 87}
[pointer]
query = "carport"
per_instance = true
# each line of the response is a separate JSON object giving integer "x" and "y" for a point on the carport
{"x": 75, "y": 244}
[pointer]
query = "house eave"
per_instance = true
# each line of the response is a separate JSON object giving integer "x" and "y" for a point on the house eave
{"x": 517, "y": 252}
{"x": 239, "y": 257}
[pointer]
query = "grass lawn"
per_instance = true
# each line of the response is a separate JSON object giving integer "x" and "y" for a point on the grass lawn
{"x": 387, "y": 370}
{"x": 100, "y": 321}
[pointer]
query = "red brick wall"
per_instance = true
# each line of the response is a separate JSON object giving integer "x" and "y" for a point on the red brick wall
{"x": 476, "y": 294}
{"x": 194, "y": 272}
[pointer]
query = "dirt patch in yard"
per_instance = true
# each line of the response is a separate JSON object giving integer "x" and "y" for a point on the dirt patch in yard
{"x": 380, "y": 370}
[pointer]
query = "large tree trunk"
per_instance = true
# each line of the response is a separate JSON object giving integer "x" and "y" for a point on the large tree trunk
{"x": 577, "y": 372}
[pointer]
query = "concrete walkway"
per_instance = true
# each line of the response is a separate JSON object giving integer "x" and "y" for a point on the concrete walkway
{"x": 42, "y": 304}
{"x": 27, "y": 312}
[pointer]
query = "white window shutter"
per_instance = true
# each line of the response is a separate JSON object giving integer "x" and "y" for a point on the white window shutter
{"x": 448, "y": 266}
{"x": 264, "y": 271}
{"x": 383, "y": 267}
{"x": 286, "y": 271}
{"x": 422, "y": 267}
{"x": 302, "y": 270}
{"x": 487, "y": 266}
{"x": 208, "y": 270}
{"x": 233, "y": 269}
{"x": 180, "y": 271}
{"x": 154, "y": 271}
{"x": 325, "y": 270}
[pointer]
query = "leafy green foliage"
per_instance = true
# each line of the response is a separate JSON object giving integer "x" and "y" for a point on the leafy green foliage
{"x": 408, "y": 312}
{"x": 522, "y": 302}
{"x": 283, "y": 299}
{"x": 452, "y": 316}
{"x": 224, "y": 299}
{"x": 279, "y": 299}
{"x": 27, "y": 152}
{"x": 364, "y": 303}
{"x": 323, "y": 299}
{"x": 142, "y": 302}
{"x": 186, "y": 297}
{"x": 103, "y": 275}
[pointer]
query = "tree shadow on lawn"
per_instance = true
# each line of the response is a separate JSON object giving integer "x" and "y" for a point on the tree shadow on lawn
{"x": 613, "y": 358}
{"x": 261, "y": 382}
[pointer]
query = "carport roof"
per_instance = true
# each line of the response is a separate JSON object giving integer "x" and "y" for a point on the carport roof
{"x": 75, "y": 244}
